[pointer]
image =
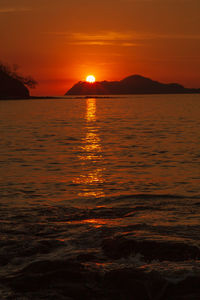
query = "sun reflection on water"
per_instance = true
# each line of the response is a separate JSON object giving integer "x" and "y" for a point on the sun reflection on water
{"x": 92, "y": 178}
{"x": 91, "y": 110}
{"x": 91, "y": 146}
{"x": 97, "y": 223}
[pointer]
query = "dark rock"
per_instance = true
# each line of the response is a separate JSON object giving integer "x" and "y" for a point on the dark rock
{"x": 86, "y": 257}
{"x": 160, "y": 250}
{"x": 135, "y": 284}
{"x": 72, "y": 280}
{"x": 189, "y": 288}
{"x": 47, "y": 266}
{"x": 134, "y": 84}
{"x": 126, "y": 283}
{"x": 43, "y": 247}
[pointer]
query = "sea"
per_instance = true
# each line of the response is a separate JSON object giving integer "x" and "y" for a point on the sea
{"x": 100, "y": 198}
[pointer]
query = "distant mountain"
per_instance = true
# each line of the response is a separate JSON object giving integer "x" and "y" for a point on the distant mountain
{"x": 134, "y": 84}
{"x": 11, "y": 87}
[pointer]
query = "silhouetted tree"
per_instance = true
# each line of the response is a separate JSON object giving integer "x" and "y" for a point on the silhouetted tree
{"x": 13, "y": 72}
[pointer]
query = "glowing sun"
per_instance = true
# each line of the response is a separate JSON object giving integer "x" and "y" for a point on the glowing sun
{"x": 90, "y": 79}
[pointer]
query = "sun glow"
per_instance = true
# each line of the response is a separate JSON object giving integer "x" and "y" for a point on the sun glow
{"x": 90, "y": 79}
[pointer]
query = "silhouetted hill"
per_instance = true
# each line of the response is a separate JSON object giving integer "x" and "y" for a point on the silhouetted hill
{"x": 134, "y": 84}
{"x": 11, "y": 87}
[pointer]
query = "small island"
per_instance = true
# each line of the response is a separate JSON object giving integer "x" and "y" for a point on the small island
{"x": 135, "y": 84}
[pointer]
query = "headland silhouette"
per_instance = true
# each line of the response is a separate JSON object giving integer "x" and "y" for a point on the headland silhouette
{"x": 134, "y": 84}
{"x": 13, "y": 85}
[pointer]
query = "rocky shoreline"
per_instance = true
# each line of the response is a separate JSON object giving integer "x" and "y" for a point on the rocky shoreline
{"x": 84, "y": 276}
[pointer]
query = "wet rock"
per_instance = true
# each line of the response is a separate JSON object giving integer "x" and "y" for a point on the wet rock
{"x": 189, "y": 288}
{"x": 69, "y": 277}
{"x": 137, "y": 285}
{"x": 3, "y": 260}
{"x": 160, "y": 250}
{"x": 124, "y": 284}
{"x": 40, "y": 247}
{"x": 72, "y": 280}
{"x": 87, "y": 257}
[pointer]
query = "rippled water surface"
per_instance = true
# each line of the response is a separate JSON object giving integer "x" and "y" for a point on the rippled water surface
{"x": 80, "y": 173}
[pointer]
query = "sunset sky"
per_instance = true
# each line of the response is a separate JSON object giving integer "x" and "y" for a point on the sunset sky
{"x": 60, "y": 42}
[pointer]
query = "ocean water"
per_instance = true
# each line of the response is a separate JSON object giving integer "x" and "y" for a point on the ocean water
{"x": 95, "y": 191}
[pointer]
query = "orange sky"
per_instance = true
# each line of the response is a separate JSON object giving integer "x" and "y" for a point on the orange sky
{"x": 60, "y": 42}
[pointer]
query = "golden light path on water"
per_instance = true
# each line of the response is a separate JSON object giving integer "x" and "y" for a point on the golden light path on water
{"x": 91, "y": 156}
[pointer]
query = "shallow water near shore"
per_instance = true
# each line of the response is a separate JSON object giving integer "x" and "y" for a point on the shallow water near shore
{"x": 98, "y": 190}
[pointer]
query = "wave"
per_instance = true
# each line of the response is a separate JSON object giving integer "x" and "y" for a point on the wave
{"x": 172, "y": 196}
{"x": 149, "y": 196}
